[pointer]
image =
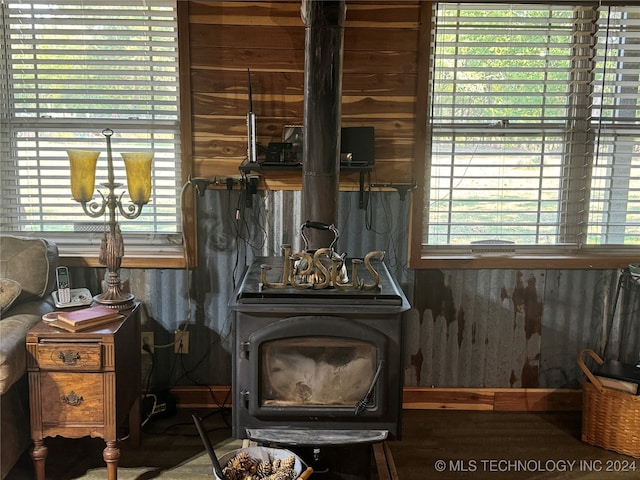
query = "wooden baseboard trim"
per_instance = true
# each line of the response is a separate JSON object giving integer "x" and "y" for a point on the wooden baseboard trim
{"x": 202, "y": 397}
{"x": 495, "y": 399}
{"x": 423, "y": 398}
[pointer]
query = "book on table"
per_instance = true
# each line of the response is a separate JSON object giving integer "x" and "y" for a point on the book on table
{"x": 83, "y": 319}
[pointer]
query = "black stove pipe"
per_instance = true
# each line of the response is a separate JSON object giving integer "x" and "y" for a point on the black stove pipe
{"x": 324, "y": 39}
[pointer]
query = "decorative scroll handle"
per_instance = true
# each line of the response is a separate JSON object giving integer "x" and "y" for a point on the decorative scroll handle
{"x": 319, "y": 226}
{"x": 69, "y": 357}
{"x": 73, "y": 399}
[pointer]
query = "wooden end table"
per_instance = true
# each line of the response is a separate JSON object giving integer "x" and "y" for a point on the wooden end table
{"x": 84, "y": 384}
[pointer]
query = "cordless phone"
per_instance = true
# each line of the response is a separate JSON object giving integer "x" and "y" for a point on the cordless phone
{"x": 65, "y": 296}
{"x": 64, "y": 290}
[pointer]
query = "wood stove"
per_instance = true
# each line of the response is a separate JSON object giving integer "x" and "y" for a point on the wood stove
{"x": 316, "y": 357}
{"x": 317, "y": 366}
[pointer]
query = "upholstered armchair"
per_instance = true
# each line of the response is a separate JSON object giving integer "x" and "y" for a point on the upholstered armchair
{"x": 27, "y": 277}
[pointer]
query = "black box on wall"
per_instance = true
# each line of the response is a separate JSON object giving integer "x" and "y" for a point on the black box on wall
{"x": 359, "y": 142}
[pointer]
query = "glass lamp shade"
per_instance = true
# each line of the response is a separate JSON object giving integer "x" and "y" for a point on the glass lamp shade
{"x": 138, "y": 167}
{"x": 83, "y": 173}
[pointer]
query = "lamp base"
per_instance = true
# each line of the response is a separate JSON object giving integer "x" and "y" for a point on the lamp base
{"x": 123, "y": 302}
{"x": 114, "y": 297}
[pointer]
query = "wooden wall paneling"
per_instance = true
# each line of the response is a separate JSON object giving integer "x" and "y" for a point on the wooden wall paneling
{"x": 287, "y": 39}
{"x": 246, "y": 13}
{"x": 395, "y": 14}
{"x": 228, "y": 147}
{"x": 235, "y": 105}
{"x": 227, "y": 39}
{"x": 382, "y": 61}
{"x": 419, "y": 163}
{"x": 188, "y": 206}
{"x": 379, "y": 82}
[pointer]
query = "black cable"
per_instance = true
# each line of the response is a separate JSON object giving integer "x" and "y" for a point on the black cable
{"x": 187, "y": 374}
{"x": 233, "y": 219}
{"x": 149, "y": 414}
{"x": 147, "y": 349}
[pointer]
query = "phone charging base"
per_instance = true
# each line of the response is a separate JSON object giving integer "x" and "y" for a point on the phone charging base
{"x": 79, "y": 296}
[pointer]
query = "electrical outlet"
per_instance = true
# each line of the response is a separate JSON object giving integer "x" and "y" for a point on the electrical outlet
{"x": 182, "y": 342}
{"x": 146, "y": 338}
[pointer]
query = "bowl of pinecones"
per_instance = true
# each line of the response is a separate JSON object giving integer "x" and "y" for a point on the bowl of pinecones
{"x": 260, "y": 463}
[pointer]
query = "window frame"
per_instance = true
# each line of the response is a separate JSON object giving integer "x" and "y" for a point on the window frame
{"x": 179, "y": 252}
{"x": 431, "y": 256}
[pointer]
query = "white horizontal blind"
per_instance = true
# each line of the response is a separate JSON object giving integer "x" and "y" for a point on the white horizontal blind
{"x": 614, "y": 210}
{"x": 511, "y": 125}
{"x": 72, "y": 69}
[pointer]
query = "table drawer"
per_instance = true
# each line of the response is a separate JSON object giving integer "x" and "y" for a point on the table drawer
{"x": 69, "y": 356}
{"x": 72, "y": 397}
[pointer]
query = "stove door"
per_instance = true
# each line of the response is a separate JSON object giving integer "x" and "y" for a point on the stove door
{"x": 317, "y": 366}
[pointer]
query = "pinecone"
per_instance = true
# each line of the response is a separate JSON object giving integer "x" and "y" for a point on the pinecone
{"x": 276, "y": 464}
{"x": 289, "y": 474}
{"x": 288, "y": 463}
{"x": 243, "y": 462}
{"x": 230, "y": 473}
{"x": 240, "y": 467}
{"x": 264, "y": 469}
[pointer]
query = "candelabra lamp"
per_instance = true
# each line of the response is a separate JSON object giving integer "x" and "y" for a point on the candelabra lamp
{"x": 138, "y": 172}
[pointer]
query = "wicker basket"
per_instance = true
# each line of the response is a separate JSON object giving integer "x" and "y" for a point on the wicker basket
{"x": 610, "y": 418}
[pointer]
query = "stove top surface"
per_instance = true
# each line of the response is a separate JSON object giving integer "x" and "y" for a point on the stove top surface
{"x": 251, "y": 290}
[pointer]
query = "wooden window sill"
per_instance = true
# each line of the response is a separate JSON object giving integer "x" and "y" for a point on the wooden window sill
{"x": 165, "y": 259}
{"x": 565, "y": 262}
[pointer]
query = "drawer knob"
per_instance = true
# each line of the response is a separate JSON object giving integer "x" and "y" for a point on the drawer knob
{"x": 69, "y": 357}
{"x": 73, "y": 399}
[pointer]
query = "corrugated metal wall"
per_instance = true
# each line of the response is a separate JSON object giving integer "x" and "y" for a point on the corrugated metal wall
{"x": 516, "y": 328}
{"x": 467, "y": 328}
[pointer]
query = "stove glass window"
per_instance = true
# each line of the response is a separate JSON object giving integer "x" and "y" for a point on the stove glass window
{"x": 316, "y": 371}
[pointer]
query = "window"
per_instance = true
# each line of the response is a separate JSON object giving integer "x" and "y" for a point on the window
{"x": 533, "y": 130}
{"x": 72, "y": 69}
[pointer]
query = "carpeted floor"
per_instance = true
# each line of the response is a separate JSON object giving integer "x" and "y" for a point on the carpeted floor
{"x": 441, "y": 445}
